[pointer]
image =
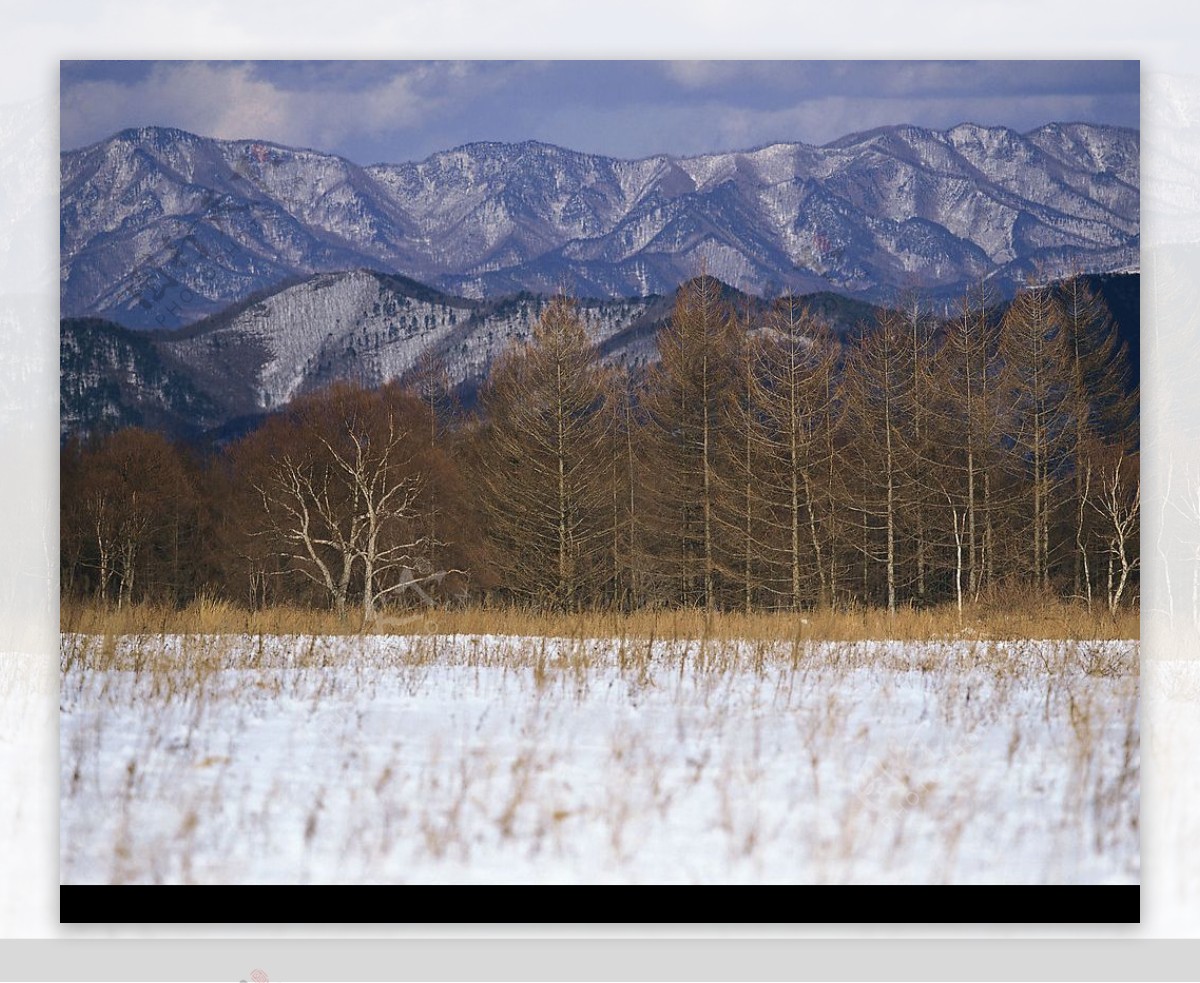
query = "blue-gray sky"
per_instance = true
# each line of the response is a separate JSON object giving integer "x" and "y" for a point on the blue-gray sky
{"x": 371, "y": 111}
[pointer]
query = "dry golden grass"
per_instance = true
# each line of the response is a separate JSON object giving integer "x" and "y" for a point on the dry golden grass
{"x": 1008, "y": 617}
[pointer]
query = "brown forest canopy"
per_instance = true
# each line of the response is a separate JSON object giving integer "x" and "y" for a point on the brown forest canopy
{"x": 763, "y": 462}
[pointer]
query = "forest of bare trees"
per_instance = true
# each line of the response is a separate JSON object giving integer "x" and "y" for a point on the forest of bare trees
{"x": 763, "y": 462}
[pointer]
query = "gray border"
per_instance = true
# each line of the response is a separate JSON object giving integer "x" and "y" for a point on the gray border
{"x": 693, "y": 960}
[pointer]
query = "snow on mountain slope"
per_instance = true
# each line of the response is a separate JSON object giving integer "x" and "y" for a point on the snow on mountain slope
{"x": 301, "y": 329}
{"x": 160, "y": 228}
{"x": 362, "y": 326}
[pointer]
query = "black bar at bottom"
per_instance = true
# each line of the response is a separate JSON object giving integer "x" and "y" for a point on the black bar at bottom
{"x": 779, "y": 905}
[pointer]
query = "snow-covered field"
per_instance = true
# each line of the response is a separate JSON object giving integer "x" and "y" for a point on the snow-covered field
{"x": 506, "y": 759}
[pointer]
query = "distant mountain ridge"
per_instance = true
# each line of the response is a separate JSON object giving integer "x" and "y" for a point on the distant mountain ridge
{"x": 370, "y": 328}
{"x": 161, "y": 228}
{"x": 256, "y": 356}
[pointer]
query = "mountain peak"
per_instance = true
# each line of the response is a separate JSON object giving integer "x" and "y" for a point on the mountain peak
{"x": 155, "y": 134}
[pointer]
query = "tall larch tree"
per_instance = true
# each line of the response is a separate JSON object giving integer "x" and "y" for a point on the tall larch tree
{"x": 923, "y": 453}
{"x": 685, "y": 403}
{"x": 542, "y": 466}
{"x": 1036, "y": 385}
{"x": 965, "y": 421}
{"x": 791, "y": 395}
{"x": 878, "y": 379}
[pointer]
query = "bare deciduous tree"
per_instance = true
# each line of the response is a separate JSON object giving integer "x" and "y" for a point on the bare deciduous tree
{"x": 1102, "y": 404}
{"x": 1118, "y": 502}
{"x": 341, "y": 493}
{"x": 133, "y": 502}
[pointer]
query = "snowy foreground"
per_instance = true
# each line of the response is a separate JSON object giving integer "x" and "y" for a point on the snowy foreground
{"x": 495, "y": 759}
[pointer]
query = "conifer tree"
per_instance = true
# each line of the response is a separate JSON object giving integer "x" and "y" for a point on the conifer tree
{"x": 1037, "y": 385}
{"x": 790, "y": 395}
{"x": 685, "y": 404}
{"x": 966, "y": 426}
{"x": 542, "y": 467}
{"x": 878, "y": 379}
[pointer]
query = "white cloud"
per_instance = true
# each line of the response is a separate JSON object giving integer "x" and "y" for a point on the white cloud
{"x": 216, "y": 100}
{"x": 699, "y": 74}
{"x": 235, "y": 100}
{"x": 717, "y": 125}
{"x": 375, "y": 110}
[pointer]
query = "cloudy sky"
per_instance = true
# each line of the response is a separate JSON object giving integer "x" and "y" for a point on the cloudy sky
{"x": 373, "y": 111}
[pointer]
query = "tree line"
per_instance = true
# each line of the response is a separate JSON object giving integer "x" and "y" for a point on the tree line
{"x": 763, "y": 462}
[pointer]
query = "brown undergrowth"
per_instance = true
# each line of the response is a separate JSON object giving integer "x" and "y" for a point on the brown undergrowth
{"x": 1007, "y": 617}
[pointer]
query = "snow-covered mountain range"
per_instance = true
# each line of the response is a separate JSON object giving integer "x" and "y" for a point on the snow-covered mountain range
{"x": 161, "y": 228}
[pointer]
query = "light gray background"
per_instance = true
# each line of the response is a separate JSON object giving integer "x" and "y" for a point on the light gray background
{"x": 1164, "y": 35}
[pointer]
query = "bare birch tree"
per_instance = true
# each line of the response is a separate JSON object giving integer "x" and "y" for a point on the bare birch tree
{"x": 1118, "y": 501}
{"x": 1102, "y": 404}
{"x": 135, "y": 502}
{"x": 341, "y": 493}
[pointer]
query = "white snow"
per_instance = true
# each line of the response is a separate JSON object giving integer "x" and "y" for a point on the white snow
{"x": 504, "y": 759}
